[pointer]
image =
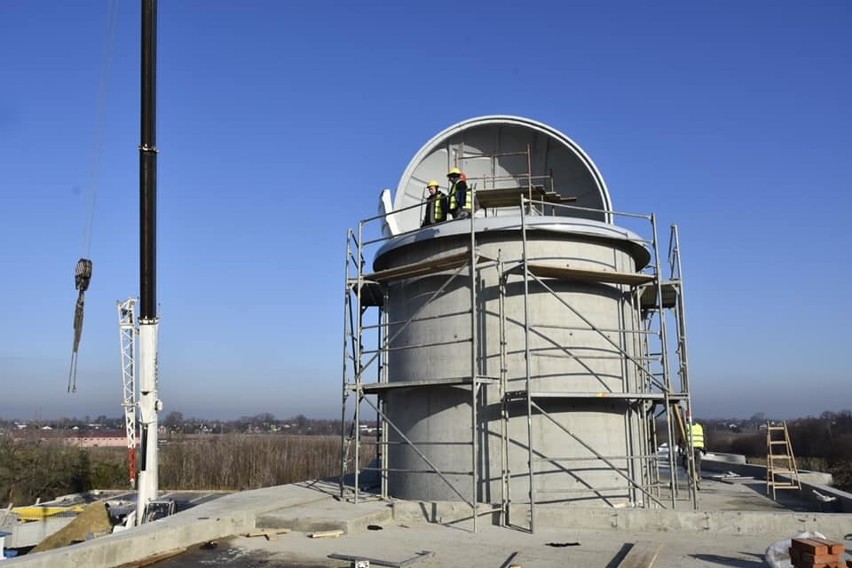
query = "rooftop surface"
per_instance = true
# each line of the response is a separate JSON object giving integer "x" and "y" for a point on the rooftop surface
{"x": 372, "y": 533}
{"x": 490, "y": 547}
{"x": 734, "y": 525}
{"x": 406, "y": 536}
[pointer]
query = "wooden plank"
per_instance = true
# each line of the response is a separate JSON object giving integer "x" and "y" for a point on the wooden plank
{"x": 268, "y": 534}
{"x": 511, "y": 196}
{"x": 643, "y": 554}
{"x": 604, "y": 394}
{"x": 420, "y": 268}
{"x": 681, "y": 424}
{"x": 566, "y": 272}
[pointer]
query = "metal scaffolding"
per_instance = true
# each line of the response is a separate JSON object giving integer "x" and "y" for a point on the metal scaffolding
{"x": 651, "y": 390}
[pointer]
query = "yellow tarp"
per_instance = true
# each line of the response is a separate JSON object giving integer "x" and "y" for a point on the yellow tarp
{"x": 40, "y": 513}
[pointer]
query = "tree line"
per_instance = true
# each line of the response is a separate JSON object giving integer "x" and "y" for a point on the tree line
{"x": 31, "y": 470}
{"x": 175, "y": 422}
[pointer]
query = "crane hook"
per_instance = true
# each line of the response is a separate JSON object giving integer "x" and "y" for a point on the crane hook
{"x": 82, "y": 277}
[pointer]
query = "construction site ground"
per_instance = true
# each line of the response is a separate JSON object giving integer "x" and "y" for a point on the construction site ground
{"x": 490, "y": 547}
{"x": 405, "y": 537}
{"x": 734, "y": 525}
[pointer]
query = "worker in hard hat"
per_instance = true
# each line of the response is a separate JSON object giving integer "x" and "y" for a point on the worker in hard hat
{"x": 460, "y": 196}
{"x": 436, "y": 205}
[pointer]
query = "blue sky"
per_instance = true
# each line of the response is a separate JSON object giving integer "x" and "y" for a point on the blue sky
{"x": 279, "y": 122}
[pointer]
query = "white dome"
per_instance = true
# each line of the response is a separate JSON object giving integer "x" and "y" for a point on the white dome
{"x": 504, "y": 152}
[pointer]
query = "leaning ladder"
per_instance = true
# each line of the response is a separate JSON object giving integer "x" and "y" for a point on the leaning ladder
{"x": 781, "y": 471}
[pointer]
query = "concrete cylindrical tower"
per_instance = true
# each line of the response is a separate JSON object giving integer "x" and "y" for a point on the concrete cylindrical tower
{"x": 577, "y": 339}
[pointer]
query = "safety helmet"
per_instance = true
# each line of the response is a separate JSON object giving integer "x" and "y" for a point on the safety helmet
{"x": 432, "y": 183}
{"x": 454, "y": 172}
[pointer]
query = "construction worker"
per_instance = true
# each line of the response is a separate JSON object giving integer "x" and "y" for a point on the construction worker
{"x": 436, "y": 205}
{"x": 696, "y": 441}
{"x": 460, "y": 196}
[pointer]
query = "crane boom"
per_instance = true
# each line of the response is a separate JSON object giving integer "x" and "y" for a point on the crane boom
{"x": 149, "y": 402}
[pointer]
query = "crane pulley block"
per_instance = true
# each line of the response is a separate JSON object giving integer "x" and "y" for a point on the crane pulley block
{"x": 83, "y": 274}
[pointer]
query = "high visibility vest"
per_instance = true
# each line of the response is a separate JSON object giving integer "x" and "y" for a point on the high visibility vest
{"x": 468, "y": 198}
{"x": 696, "y": 436}
{"x": 435, "y": 212}
{"x": 438, "y": 213}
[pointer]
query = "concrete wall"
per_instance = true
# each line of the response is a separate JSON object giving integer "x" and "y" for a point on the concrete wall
{"x": 31, "y": 533}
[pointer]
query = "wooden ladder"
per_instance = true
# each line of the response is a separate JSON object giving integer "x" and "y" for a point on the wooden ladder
{"x": 781, "y": 471}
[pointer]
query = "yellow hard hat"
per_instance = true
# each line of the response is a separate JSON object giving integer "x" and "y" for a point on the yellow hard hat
{"x": 433, "y": 183}
{"x": 454, "y": 172}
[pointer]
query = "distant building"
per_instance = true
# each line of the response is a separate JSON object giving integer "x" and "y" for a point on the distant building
{"x": 78, "y": 438}
{"x": 100, "y": 439}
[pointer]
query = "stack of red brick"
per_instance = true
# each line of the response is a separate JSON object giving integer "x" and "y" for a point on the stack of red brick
{"x": 818, "y": 553}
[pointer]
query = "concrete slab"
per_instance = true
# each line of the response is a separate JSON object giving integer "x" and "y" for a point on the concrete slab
{"x": 328, "y": 515}
{"x": 491, "y": 547}
{"x": 732, "y": 537}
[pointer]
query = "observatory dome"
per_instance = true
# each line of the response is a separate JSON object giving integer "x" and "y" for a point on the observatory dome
{"x": 505, "y": 153}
